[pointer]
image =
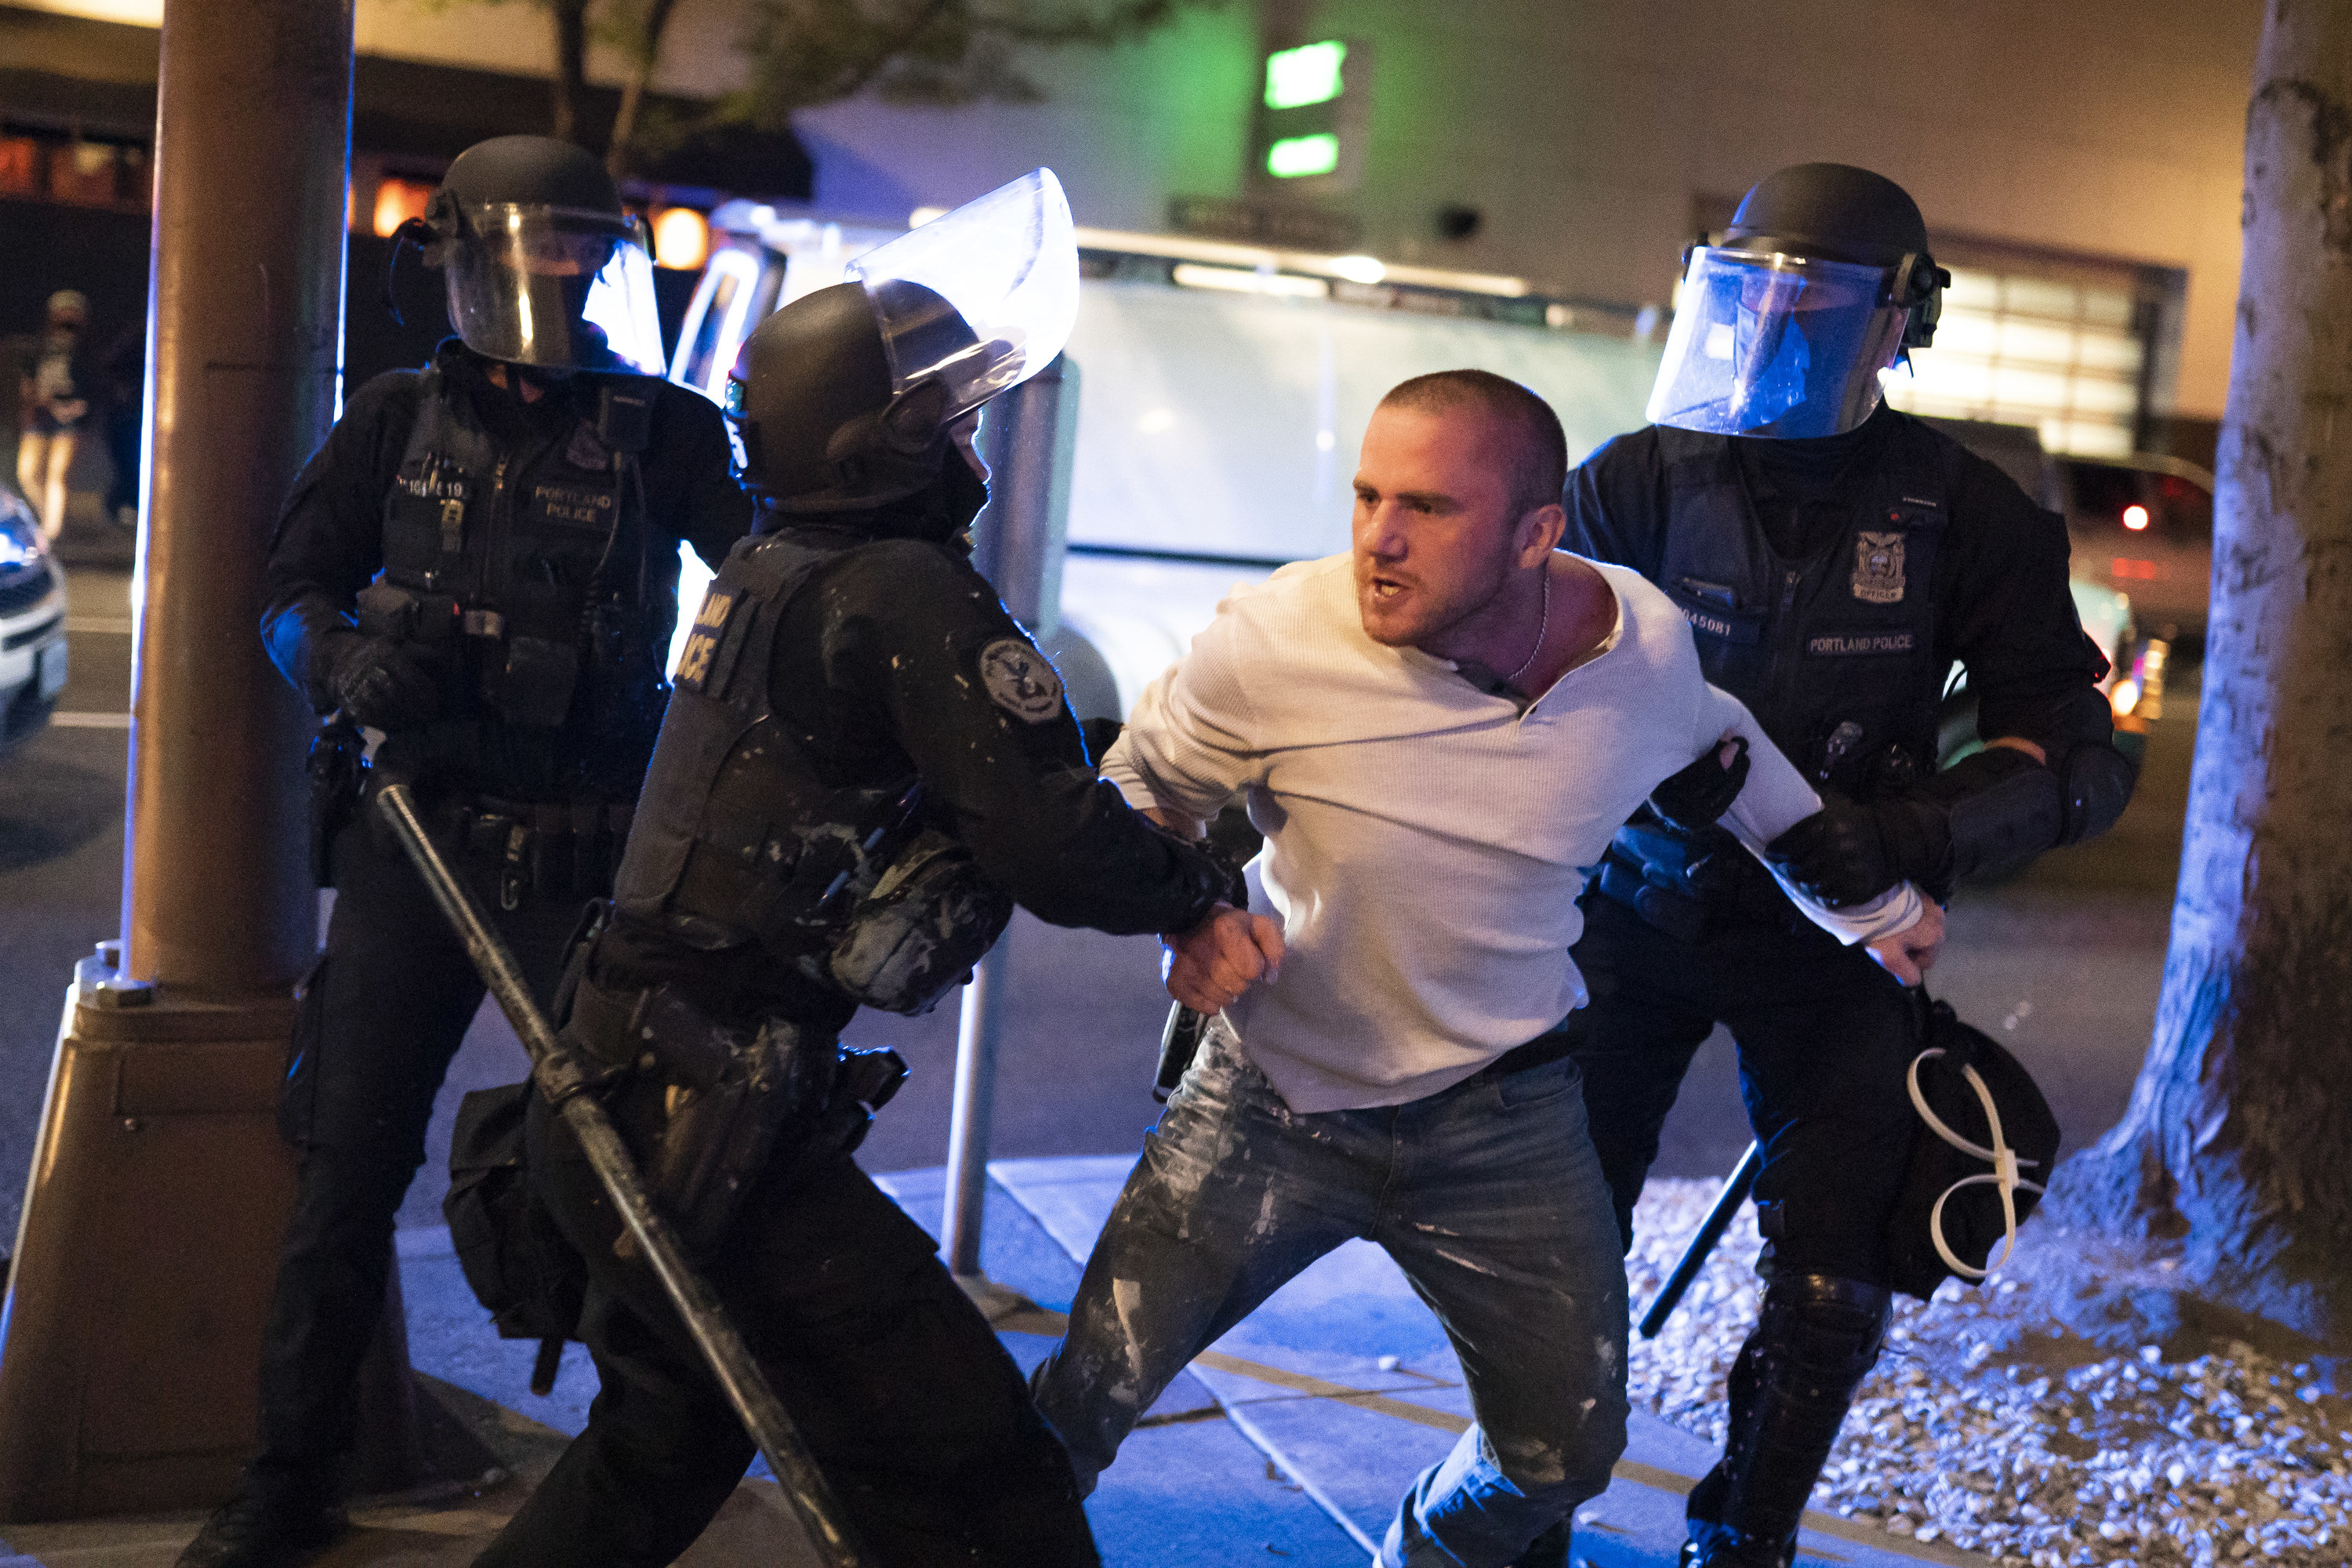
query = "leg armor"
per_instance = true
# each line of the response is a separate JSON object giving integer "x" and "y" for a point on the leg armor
{"x": 1789, "y": 1389}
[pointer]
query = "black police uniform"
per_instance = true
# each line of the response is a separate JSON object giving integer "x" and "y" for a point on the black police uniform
{"x": 527, "y": 553}
{"x": 1831, "y": 584}
{"x": 853, "y": 690}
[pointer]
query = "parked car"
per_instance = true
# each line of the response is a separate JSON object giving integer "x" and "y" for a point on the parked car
{"x": 2143, "y": 525}
{"x": 32, "y": 624}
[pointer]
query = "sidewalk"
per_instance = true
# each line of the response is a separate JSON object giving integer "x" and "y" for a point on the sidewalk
{"x": 1289, "y": 1442}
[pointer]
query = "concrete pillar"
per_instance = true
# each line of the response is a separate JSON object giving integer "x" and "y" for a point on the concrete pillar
{"x": 160, "y": 1188}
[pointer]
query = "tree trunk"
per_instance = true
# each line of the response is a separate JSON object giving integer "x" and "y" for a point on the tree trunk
{"x": 570, "y": 18}
{"x": 2238, "y": 1145}
{"x": 633, "y": 91}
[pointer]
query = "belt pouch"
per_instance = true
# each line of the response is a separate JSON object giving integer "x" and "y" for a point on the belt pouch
{"x": 536, "y": 690}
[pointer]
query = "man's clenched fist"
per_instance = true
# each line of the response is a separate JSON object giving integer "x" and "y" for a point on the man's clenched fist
{"x": 1208, "y": 967}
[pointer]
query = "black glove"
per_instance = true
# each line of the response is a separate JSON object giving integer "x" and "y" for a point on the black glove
{"x": 1691, "y": 800}
{"x": 1848, "y": 853}
{"x": 384, "y": 685}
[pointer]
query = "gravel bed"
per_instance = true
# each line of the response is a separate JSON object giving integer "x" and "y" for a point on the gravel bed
{"x": 1988, "y": 1426}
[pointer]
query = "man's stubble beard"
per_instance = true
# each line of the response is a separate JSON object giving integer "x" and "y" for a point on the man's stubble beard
{"x": 1441, "y": 622}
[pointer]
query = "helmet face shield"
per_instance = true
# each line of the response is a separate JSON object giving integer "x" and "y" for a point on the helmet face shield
{"x": 1776, "y": 345}
{"x": 559, "y": 287}
{"x": 1007, "y": 264}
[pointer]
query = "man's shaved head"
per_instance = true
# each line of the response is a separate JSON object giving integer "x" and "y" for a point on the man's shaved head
{"x": 1530, "y": 440}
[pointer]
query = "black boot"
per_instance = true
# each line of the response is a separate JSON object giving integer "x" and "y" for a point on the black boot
{"x": 274, "y": 1521}
{"x": 1818, "y": 1338}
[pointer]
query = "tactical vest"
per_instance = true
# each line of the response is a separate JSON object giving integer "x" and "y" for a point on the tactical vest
{"x": 739, "y": 839}
{"x": 1835, "y": 656}
{"x": 523, "y": 569}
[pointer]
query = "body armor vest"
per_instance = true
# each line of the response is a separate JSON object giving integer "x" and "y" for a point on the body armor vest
{"x": 740, "y": 840}
{"x": 522, "y": 568}
{"x": 1836, "y": 655}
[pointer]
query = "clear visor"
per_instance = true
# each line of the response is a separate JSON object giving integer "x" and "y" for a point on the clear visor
{"x": 1775, "y": 346}
{"x": 1008, "y": 265}
{"x": 553, "y": 286}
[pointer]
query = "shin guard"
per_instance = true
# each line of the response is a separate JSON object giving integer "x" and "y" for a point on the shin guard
{"x": 1818, "y": 1338}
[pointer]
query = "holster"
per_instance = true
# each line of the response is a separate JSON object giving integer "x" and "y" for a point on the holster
{"x": 709, "y": 1108}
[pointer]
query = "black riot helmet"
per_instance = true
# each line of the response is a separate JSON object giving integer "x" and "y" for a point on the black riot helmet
{"x": 1782, "y": 327}
{"x": 812, "y": 396}
{"x": 845, "y": 397}
{"x": 545, "y": 267}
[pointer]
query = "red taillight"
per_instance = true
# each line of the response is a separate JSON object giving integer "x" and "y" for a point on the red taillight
{"x": 2143, "y": 570}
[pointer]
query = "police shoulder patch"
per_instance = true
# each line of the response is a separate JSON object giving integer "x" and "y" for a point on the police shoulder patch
{"x": 702, "y": 641}
{"x": 1020, "y": 681}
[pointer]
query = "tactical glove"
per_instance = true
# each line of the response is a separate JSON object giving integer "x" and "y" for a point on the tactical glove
{"x": 1691, "y": 800}
{"x": 1848, "y": 853}
{"x": 384, "y": 685}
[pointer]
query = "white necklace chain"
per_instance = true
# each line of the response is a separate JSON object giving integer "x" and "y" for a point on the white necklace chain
{"x": 1541, "y": 627}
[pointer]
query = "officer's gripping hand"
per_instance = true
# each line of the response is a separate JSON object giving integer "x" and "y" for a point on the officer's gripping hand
{"x": 1910, "y": 953}
{"x": 1691, "y": 799}
{"x": 1848, "y": 853}
{"x": 384, "y": 685}
{"x": 1208, "y": 967}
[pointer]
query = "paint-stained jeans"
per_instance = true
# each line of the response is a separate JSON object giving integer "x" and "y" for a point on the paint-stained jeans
{"x": 1488, "y": 1197}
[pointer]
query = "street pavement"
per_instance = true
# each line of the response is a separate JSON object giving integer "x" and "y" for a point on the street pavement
{"x": 1290, "y": 1441}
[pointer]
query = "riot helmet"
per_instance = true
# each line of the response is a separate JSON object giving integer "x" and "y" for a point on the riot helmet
{"x": 1782, "y": 327}
{"x": 844, "y": 398}
{"x": 544, "y": 267}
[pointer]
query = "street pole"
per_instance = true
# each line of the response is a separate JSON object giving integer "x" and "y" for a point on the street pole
{"x": 1029, "y": 437}
{"x": 160, "y": 1188}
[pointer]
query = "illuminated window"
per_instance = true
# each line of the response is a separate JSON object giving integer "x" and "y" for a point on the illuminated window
{"x": 2065, "y": 357}
{"x": 681, "y": 240}
{"x": 1295, "y": 157}
{"x": 396, "y": 201}
{"x": 1308, "y": 74}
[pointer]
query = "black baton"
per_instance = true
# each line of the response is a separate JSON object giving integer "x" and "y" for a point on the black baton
{"x": 560, "y": 1080}
{"x": 1710, "y": 1231}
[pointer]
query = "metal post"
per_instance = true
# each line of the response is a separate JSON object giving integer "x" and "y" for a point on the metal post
{"x": 1029, "y": 436}
{"x": 969, "y": 1120}
{"x": 159, "y": 1187}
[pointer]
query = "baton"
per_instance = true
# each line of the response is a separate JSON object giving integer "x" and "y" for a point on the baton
{"x": 560, "y": 1080}
{"x": 1710, "y": 1231}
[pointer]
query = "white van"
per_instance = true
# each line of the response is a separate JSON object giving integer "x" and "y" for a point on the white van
{"x": 1224, "y": 393}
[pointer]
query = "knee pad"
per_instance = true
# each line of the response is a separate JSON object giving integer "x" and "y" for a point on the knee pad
{"x": 1819, "y": 1335}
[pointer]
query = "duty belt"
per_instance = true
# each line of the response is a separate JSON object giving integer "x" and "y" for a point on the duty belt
{"x": 556, "y": 849}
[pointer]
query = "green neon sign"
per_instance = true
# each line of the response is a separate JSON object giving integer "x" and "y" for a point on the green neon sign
{"x": 1307, "y": 74}
{"x": 1295, "y": 157}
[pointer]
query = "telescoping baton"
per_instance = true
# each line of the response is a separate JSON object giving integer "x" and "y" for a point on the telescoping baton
{"x": 560, "y": 1079}
{"x": 1710, "y": 1231}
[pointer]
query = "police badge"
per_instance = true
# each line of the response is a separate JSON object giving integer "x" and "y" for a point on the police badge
{"x": 1878, "y": 568}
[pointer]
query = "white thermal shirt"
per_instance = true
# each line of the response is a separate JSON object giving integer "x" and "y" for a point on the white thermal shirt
{"x": 1426, "y": 842}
